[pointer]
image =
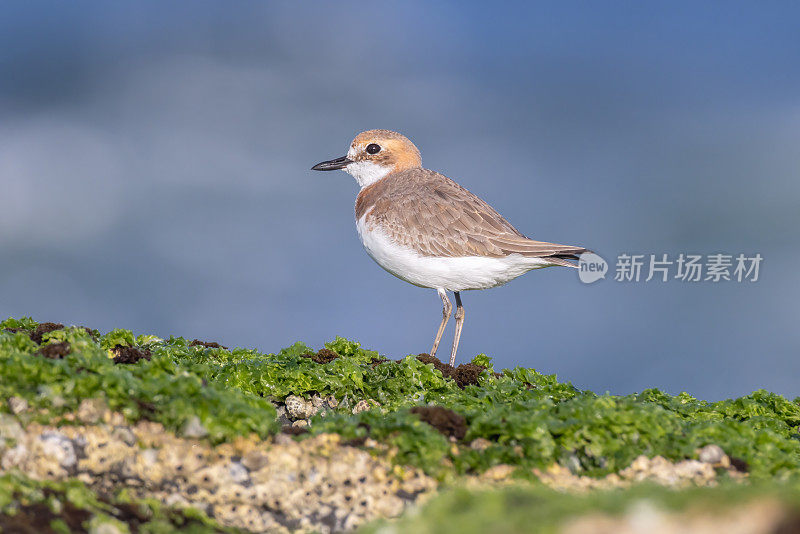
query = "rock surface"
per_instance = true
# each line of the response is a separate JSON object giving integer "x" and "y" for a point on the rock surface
{"x": 317, "y": 484}
{"x": 643, "y": 469}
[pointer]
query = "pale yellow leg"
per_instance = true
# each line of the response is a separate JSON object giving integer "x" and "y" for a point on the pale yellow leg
{"x": 459, "y": 326}
{"x": 447, "y": 308}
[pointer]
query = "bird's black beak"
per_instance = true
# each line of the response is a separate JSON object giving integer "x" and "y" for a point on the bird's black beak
{"x": 333, "y": 164}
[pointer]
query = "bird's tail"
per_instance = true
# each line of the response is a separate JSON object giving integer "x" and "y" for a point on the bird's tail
{"x": 553, "y": 253}
{"x": 567, "y": 258}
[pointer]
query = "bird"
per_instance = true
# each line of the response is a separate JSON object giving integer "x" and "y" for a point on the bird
{"x": 426, "y": 229}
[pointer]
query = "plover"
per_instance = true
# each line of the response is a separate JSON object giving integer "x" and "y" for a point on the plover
{"x": 426, "y": 229}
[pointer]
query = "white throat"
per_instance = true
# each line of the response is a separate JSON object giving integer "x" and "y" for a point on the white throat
{"x": 366, "y": 172}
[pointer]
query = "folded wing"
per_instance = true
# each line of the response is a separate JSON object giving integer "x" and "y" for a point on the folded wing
{"x": 435, "y": 216}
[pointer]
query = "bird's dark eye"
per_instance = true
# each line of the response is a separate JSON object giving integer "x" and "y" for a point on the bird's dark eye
{"x": 372, "y": 148}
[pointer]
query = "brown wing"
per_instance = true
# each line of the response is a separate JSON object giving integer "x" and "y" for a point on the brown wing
{"x": 432, "y": 214}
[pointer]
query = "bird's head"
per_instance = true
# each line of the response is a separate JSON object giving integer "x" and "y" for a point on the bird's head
{"x": 374, "y": 154}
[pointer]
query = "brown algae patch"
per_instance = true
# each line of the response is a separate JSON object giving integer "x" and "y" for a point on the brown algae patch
{"x": 446, "y": 421}
{"x": 463, "y": 375}
{"x": 55, "y": 351}
{"x": 36, "y": 517}
{"x": 39, "y": 331}
{"x": 323, "y": 356}
{"x": 123, "y": 354}
{"x": 44, "y": 328}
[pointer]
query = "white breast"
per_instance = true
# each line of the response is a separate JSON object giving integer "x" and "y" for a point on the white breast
{"x": 452, "y": 274}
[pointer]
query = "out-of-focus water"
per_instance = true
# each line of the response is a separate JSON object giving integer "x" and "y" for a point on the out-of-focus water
{"x": 154, "y": 169}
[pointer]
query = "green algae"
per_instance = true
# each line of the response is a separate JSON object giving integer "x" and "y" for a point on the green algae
{"x": 166, "y": 389}
{"x": 528, "y": 419}
{"x": 532, "y": 421}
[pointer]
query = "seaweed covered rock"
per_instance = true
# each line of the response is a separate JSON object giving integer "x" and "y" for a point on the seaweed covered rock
{"x": 330, "y": 439}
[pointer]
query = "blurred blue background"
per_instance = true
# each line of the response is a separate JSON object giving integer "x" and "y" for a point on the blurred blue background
{"x": 154, "y": 166}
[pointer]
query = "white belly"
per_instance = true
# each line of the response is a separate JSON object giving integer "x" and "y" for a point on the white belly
{"x": 452, "y": 274}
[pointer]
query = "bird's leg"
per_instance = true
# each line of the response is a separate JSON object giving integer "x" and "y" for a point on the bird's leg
{"x": 459, "y": 325}
{"x": 447, "y": 308}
